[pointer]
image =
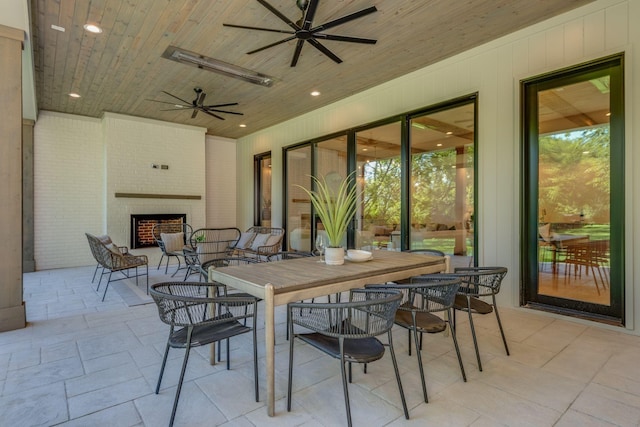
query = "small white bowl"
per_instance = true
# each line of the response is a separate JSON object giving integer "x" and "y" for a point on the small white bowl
{"x": 358, "y": 255}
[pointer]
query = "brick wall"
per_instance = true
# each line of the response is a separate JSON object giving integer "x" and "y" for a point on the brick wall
{"x": 80, "y": 163}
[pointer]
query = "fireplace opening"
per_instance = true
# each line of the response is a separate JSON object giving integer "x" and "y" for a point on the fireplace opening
{"x": 142, "y": 226}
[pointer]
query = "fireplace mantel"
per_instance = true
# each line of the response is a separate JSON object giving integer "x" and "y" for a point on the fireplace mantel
{"x": 158, "y": 196}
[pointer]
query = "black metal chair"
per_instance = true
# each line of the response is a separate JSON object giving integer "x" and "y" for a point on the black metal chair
{"x": 229, "y": 292}
{"x": 424, "y": 296}
{"x": 478, "y": 282}
{"x": 347, "y": 331}
{"x": 434, "y": 252}
{"x": 206, "y": 244}
{"x": 284, "y": 255}
{"x": 424, "y": 251}
{"x": 198, "y": 317}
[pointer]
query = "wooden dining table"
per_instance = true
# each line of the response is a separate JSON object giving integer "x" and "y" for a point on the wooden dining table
{"x": 281, "y": 282}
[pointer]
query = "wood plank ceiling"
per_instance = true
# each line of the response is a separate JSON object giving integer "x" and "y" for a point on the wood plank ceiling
{"x": 120, "y": 69}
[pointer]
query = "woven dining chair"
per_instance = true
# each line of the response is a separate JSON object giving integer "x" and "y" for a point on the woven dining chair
{"x": 197, "y": 317}
{"x": 423, "y": 251}
{"x": 347, "y": 331}
{"x": 476, "y": 283}
{"x": 421, "y": 298}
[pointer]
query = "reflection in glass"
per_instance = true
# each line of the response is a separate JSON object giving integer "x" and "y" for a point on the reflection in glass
{"x": 442, "y": 181}
{"x": 298, "y": 204}
{"x": 265, "y": 191}
{"x": 574, "y": 191}
{"x": 379, "y": 183}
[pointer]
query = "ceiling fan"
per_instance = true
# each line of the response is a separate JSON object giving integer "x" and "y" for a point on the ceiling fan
{"x": 198, "y": 105}
{"x": 305, "y": 32}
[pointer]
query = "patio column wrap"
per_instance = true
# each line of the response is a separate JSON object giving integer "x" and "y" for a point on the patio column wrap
{"x": 12, "y": 310}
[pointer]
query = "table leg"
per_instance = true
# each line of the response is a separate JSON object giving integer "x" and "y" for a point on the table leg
{"x": 269, "y": 313}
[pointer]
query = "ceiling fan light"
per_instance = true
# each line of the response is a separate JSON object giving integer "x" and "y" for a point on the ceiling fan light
{"x": 190, "y": 58}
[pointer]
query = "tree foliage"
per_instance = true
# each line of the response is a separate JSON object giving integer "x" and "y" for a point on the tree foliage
{"x": 574, "y": 175}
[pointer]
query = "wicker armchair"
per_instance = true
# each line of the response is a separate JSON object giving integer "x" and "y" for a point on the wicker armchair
{"x": 423, "y": 297}
{"x": 112, "y": 260}
{"x": 171, "y": 239}
{"x": 198, "y": 318}
{"x": 478, "y": 282}
{"x": 107, "y": 241}
{"x": 347, "y": 331}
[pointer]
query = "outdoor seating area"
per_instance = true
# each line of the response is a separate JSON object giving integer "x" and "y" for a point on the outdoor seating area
{"x": 89, "y": 362}
{"x": 365, "y": 213}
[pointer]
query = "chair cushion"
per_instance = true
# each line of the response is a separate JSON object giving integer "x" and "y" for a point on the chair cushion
{"x": 260, "y": 240}
{"x": 104, "y": 239}
{"x": 173, "y": 242}
{"x": 363, "y": 350}
{"x": 113, "y": 248}
{"x": 273, "y": 240}
{"x": 245, "y": 240}
{"x": 477, "y": 305}
{"x": 425, "y": 322}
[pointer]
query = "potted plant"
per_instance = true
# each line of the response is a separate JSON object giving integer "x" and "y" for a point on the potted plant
{"x": 335, "y": 202}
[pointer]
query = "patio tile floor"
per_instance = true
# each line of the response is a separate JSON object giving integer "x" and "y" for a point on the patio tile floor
{"x": 83, "y": 362}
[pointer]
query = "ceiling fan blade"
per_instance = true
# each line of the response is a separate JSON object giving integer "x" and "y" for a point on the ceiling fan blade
{"x": 324, "y": 50}
{"x": 246, "y": 27}
{"x": 194, "y": 114}
{"x": 344, "y": 19}
{"x": 201, "y": 98}
{"x": 279, "y": 15}
{"x": 178, "y": 109}
{"x": 296, "y": 53}
{"x": 186, "y": 102}
{"x": 224, "y": 111}
{"x": 272, "y": 45}
{"x": 309, "y": 14}
{"x": 214, "y": 115}
{"x": 164, "y": 102}
{"x": 220, "y": 105}
{"x": 344, "y": 38}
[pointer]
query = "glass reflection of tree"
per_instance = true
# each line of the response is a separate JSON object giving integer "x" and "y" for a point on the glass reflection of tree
{"x": 574, "y": 175}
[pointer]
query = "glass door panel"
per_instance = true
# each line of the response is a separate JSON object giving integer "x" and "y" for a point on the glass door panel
{"x": 442, "y": 182}
{"x": 574, "y": 191}
{"x": 576, "y": 163}
{"x": 379, "y": 182}
{"x": 298, "y": 170}
{"x": 263, "y": 211}
{"x": 331, "y": 164}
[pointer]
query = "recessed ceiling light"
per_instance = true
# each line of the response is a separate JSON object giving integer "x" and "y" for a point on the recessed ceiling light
{"x": 92, "y": 28}
{"x": 608, "y": 114}
{"x": 438, "y": 145}
{"x": 365, "y": 149}
{"x": 315, "y": 93}
{"x": 243, "y": 125}
{"x": 449, "y": 133}
{"x": 74, "y": 95}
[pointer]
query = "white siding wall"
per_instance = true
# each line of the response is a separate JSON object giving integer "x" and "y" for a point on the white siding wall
{"x": 221, "y": 181}
{"x": 494, "y": 71}
{"x": 68, "y": 188}
{"x": 81, "y": 163}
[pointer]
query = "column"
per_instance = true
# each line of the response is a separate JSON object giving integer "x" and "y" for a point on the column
{"x": 12, "y": 310}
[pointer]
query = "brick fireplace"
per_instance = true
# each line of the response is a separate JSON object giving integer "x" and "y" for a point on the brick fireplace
{"x": 142, "y": 226}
